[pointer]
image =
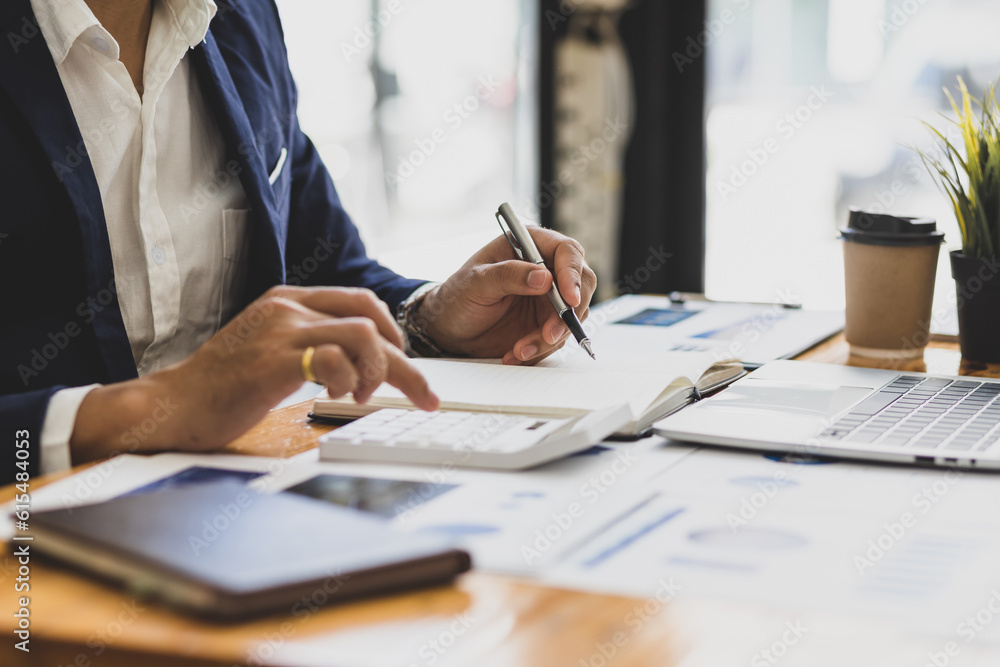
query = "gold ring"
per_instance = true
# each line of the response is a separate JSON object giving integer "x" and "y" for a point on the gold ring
{"x": 307, "y": 364}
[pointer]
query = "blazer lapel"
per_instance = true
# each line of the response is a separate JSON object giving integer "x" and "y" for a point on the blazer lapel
{"x": 29, "y": 75}
{"x": 267, "y": 260}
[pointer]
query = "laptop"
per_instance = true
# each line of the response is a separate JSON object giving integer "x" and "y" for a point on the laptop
{"x": 813, "y": 409}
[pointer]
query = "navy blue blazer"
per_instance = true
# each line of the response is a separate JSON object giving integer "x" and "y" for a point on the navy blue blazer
{"x": 60, "y": 321}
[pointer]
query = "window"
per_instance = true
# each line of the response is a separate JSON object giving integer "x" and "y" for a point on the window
{"x": 811, "y": 108}
{"x": 423, "y": 113}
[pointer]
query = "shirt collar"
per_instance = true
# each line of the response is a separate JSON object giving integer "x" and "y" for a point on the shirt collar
{"x": 191, "y": 17}
{"x": 63, "y": 22}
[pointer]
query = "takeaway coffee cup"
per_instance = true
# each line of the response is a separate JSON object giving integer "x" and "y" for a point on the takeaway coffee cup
{"x": 889, "y": 267}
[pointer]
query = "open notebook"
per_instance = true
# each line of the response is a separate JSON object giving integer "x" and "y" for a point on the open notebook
{"x": 633, "y": 365}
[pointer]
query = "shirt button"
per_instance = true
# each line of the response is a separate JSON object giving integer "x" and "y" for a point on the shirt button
{"x": 158, "y": 254}
{"x": 100, "y": 44}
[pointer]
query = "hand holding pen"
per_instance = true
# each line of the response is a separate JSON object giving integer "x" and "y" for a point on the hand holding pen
{"x": 498, "y": 305}
{"x": 524, "y": 247}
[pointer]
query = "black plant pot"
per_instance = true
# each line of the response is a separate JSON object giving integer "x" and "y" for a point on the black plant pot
{"x": 977, "y": 282}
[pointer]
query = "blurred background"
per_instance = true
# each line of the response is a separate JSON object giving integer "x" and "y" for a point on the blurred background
{"x": 884, "y": 64}
{"x": 424, "y": 115}
{"x": 734, "y": 134}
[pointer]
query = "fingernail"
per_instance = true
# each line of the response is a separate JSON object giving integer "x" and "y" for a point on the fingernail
{"x": 579, "y": 297}
{"x": 536, "y": 279}
{"x": 558, "y": 332}
{"x": 528, "y": 351}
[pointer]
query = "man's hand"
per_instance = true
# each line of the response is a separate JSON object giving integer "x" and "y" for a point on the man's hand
{"x": 496, "y": 305}
{"x": 231, "y": 381}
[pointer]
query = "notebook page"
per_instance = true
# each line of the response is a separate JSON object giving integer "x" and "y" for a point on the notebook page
{"x": 533, "y": 389}
{"x": 637, "y": 350}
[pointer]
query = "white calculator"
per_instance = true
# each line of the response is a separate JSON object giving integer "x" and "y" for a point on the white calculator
{"x": 467, "y": 439}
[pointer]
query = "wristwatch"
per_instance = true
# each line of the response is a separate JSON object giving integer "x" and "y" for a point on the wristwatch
{"x": 418, "y": 342}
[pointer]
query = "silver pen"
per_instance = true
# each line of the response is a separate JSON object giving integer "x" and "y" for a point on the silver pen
{"x": 526, "y": 250}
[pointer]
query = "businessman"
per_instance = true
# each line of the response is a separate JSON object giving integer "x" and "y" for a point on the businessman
{"x": 158, "y": 197}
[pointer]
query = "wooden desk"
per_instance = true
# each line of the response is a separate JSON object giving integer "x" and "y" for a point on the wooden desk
{"x": 77, "y": 621}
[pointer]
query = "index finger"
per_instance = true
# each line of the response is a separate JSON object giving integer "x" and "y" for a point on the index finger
{"x": 404, "y": 376}
{"x": 349, "y": 302}
{"x": 565, "y": 256}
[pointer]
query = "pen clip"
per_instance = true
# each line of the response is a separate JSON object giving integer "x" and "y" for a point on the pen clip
{"x": 512, "y": 241}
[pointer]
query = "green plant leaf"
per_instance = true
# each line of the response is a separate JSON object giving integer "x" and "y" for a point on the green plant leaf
{"x": 969, "y": 174}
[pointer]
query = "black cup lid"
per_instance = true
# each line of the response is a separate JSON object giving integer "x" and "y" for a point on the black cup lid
{"x": 891, "y": 230}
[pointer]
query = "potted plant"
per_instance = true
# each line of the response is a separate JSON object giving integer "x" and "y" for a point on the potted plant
{"x": 969, "y": 174}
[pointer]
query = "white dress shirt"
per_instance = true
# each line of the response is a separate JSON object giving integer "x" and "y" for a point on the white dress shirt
{"x": 175, "y": 209}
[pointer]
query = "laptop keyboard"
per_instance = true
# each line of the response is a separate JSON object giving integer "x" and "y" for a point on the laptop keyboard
{"x": 918, "y": 412}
